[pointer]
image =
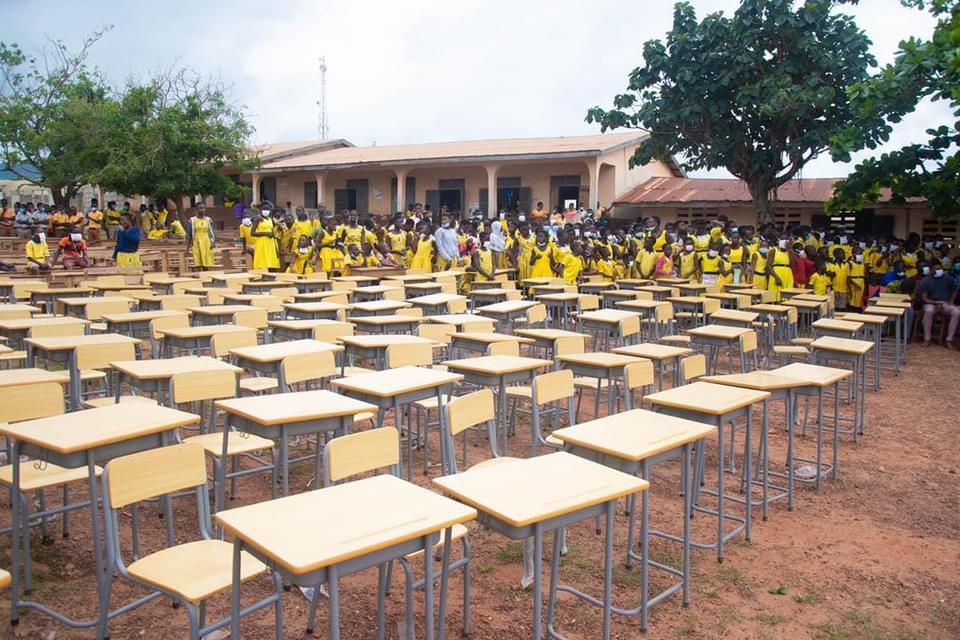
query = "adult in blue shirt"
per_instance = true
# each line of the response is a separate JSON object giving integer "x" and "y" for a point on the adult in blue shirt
{"x": 938, "y": 293}
{"x": 126, "y": 253}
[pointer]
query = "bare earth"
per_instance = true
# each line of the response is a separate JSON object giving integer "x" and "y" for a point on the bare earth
{"x": 875, "y": 556}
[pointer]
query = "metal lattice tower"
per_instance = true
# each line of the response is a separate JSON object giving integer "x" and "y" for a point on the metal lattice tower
{"x": 323, "y": 122}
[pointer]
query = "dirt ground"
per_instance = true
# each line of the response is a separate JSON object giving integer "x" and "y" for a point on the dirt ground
{"x": 874, "y": 556}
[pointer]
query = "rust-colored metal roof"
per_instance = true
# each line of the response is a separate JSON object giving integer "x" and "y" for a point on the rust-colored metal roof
{"x": 457, "y": 151}
{"x": 680, "y": 191}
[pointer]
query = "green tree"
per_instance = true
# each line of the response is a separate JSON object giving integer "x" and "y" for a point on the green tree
{"x": 51, "y": 116}
{"x": 928, "y": 170}
{"x": 173, "y": 136}
{"x": 759, "y": 93}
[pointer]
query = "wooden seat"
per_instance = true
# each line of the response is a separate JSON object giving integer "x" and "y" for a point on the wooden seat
{"x": 258, "y": 384}
{"x": 212, "y": 443}
{"x": 692, "y": 367}
{"x": 158, "y": 325}
{"x": 304, "y": 368}
{"x": 194, "y": 571}
{"x": 547, "y": 388}
{"x": 503, "y": 349}
{"x": 636, "y": 375}
{"x": 97, "y": 357}
{"x": 409, "y": 355}
{"x": 106, "y": 401}
{"x": 34, "y": 476}
{"x": 681, "y": 340}
{"x": 331, "y": 333}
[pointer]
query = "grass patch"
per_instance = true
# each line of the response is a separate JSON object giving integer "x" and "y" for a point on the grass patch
{"x": 512, "y": 552}
{"x": 862, "y": 625}
{"x": 810, "y": 596}
{"x": 628, "y": 578}
{"x": 483, "y": 568}
{"x": 770, "y": 619}
{"x": 733, "y": 577}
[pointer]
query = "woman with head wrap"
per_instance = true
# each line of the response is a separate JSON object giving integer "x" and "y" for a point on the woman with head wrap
{"x": 498, "y": 245}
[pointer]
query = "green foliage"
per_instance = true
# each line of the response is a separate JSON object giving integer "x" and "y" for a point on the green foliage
{"x": 929, "y": 170}
{"x": 760, "y": 93}
{"x": 169, "y": 136}
{"x": 51, "y": 115}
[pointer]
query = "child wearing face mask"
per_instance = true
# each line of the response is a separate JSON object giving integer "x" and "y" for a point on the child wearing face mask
{"x": 839, "y": 269}
{"x": 710, "y": 265}
{"x": 38, "y": 253}
{"x": 689, "y": 262}
{"x": 303, "y": 257}
{"x": 758, "y": 265}
{"x": 72, "y": 249}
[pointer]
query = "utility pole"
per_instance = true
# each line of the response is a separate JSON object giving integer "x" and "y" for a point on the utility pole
{"x": 323, "y": 123}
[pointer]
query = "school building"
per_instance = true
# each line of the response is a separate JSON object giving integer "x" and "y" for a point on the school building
{"x": 490, "y": 175}
{"x": 799, "y": 201}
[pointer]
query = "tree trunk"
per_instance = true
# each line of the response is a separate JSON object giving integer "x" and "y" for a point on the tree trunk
{"x": 62, "y": 195}
{"x": 761, "y": 200}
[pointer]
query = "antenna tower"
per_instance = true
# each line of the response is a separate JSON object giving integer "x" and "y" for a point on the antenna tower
{"x": 323, "y": 122}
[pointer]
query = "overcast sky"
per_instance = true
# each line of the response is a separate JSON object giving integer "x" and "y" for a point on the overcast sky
{"x": 416, "y": 71}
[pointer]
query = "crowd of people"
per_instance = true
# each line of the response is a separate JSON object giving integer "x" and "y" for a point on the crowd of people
{"x": 569, "y": 244}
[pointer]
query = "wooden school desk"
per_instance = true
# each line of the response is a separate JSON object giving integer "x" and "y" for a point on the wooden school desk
{"x": 544, "y": 339}
{"x": 647, "y": 309}
{"x": 386, "y": 324}
{"x": 717, "y": 405}
{"x": 477, "y": 342}
{"x": 374, "y": 293}
{"x": 420, "y": 289}
{"x": 659, "y": 292}
{"x": 214, "y": 314}
{"x": 559, "y": 305}
{"x": 605, "y": 367}
{"x": 497, "y": 372}
{"x": 437, "y": 303}
{"x": 77, "y": 307}
{"x": 872, "y": 330}
{"x": 62, "y": 349}
{"x": 395, "y": 388}
{"x": 153, "y": 376}
{"x": 349, "y": 527}
{"x": 136, "y": 323}
{"x": 194, "y": 340}
{"x": 314, "y": 310}
{"x": 531, "y": 497}
{"x": 633, "y": 442}
{"x": 462, "y": 321}
{"x": 85, "y": 439}
{"x": 267, "y": 359}
{"x": 47, "y": 296}
{"x": 604, "y": 323}
{"x": 661, "y": 354}
{"x": 899, "y": 317}
{"x": 280, "y": 330}
{"x": 374, "y": 346}
{"x": 279, "y": 416}
{"x": 18, "y": 329}
{"x": 491, "y": 296}
{"x": 377, "y": 307}
{"x": 717, "y": 336}
{"x": 507, "y": 312}
{"x": 853, "y": 353}
{"x": 165, "y": 285}
{"x": 596, "y": 286}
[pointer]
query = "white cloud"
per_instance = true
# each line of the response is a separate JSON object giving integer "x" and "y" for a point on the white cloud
{"x": 414, "y": 71}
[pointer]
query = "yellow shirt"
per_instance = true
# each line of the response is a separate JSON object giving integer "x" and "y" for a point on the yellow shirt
{"x": 572, "y": 268}
{"x": 95, "y": 219}
{"x": 38, "y": 251}
{"x": 840, "y": 273}
{"x": 820, "y": 284}
{"x": 648, "y": 261}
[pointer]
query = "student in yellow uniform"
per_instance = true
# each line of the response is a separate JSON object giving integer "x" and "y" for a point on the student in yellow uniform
{"x": 200, "y": 238}
{"x": 499, "y": 244}
{"x": 821, "y": 280}
{"x": 604, "y": 264}
{"x": 301, "y": 228}
{"x": 573, "y": 265}
{"x": 176, "y": 230}
{"x": 481, "y": 261}
{"x": 779, "y": 273}
{"x": 540, "y": 257}
{"x": 246, "y": 225}
{"x": 758, "y": 266}
{"x": 265, "y": 251}
{"x": 95, "y": 219}
{"x": 856, "y": 279}
{"x": 38, "y": 252}
{"x": 525, "y": 240}
{"x": 839, "y": 269}
{"x": 646, "y": 258}
{"x": 397, "y": 238}
{"x": 726, "y": 268}
{"x": 331, "y": 252}
{"x": 111, "y": 219}
{"x": 689, "y": 262}
{"x": 303, "y": 257}
{"x": 352, "y": 233}
{"x": 423, "y": 253}
{"x": 738, "y": 258}
{"x": 710, "y": 266}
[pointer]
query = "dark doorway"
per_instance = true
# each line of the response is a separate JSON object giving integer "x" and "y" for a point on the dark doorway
{"x": 565, "y": 194}
{"x": 310, "y": 195}
{"x": 268, "y": 190}
{"x": 452, "y": 199}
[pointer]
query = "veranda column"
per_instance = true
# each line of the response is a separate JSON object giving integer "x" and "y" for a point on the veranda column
{"x": 491, "y": 203}
{"x": 401, "y": 190}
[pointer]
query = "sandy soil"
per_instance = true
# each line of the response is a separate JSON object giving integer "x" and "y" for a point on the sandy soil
{"x": 874, "y": 556}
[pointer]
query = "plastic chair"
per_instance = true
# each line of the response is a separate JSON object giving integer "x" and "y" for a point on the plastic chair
{"x": 193, "y": 572}
{"x": 375, "y": 450}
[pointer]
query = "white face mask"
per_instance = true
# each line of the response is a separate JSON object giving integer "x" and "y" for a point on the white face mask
{"x": 265, "y": 213}
{"x": 702, "y": 237}
{"x": 247, "y": 222}
{"x": 863, "y": 245}
{"x": 76, "y": 237}
{"x": 858, "y": 258}
{"x": 783, "y": 244}
{"x": 843, "y": 239}
{"x": 712, "y": 253}
{"x": 926, "y": 271}
{"x": 734, "y": 229}
{"x": 936, "y": 274}
{"x": 688, "y": 247}
{"x": 522, "y": 218}
{"x": 304, "y": 249}
{"x": 42, "y": 236}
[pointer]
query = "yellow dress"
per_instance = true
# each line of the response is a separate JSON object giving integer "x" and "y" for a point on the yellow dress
{"x": 688, "y": 266}
{"x": 302, "y": 263}
{"x": 541, "y": 267}
{"x": 422, "y": 256}
{"x": 760, "y": 272}
{"x": 299, "y": 228}
{"x": 202, "y": 244}
{"x": 485, "y": 257}
{"x": 724, "y": 280}
{"x": 820, "y": 284}
{"x": 857, "y": 284}
{"x": 606, "y": 269}
{"x": 265, "y": 254}
{"x": 352, "y": 236}
{"x": 840, "y": 272}
{"x": 572, "y": 268}
{"x": 177, "y": 230}
{"x": 736, "y": 262}
{"x": 648, "y": 262}
{"x": 710, "y": 269}
{"x": 524, "y": 269}
{"x": 330, "y": 255}
{"x": 398, "y": 242}
{"x": 660, "y": 241}
{"x": 781, "y": 265}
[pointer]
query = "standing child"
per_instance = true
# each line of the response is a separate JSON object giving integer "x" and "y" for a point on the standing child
{"x": 839, "y": 268}
{"x": 303, "y": 257}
